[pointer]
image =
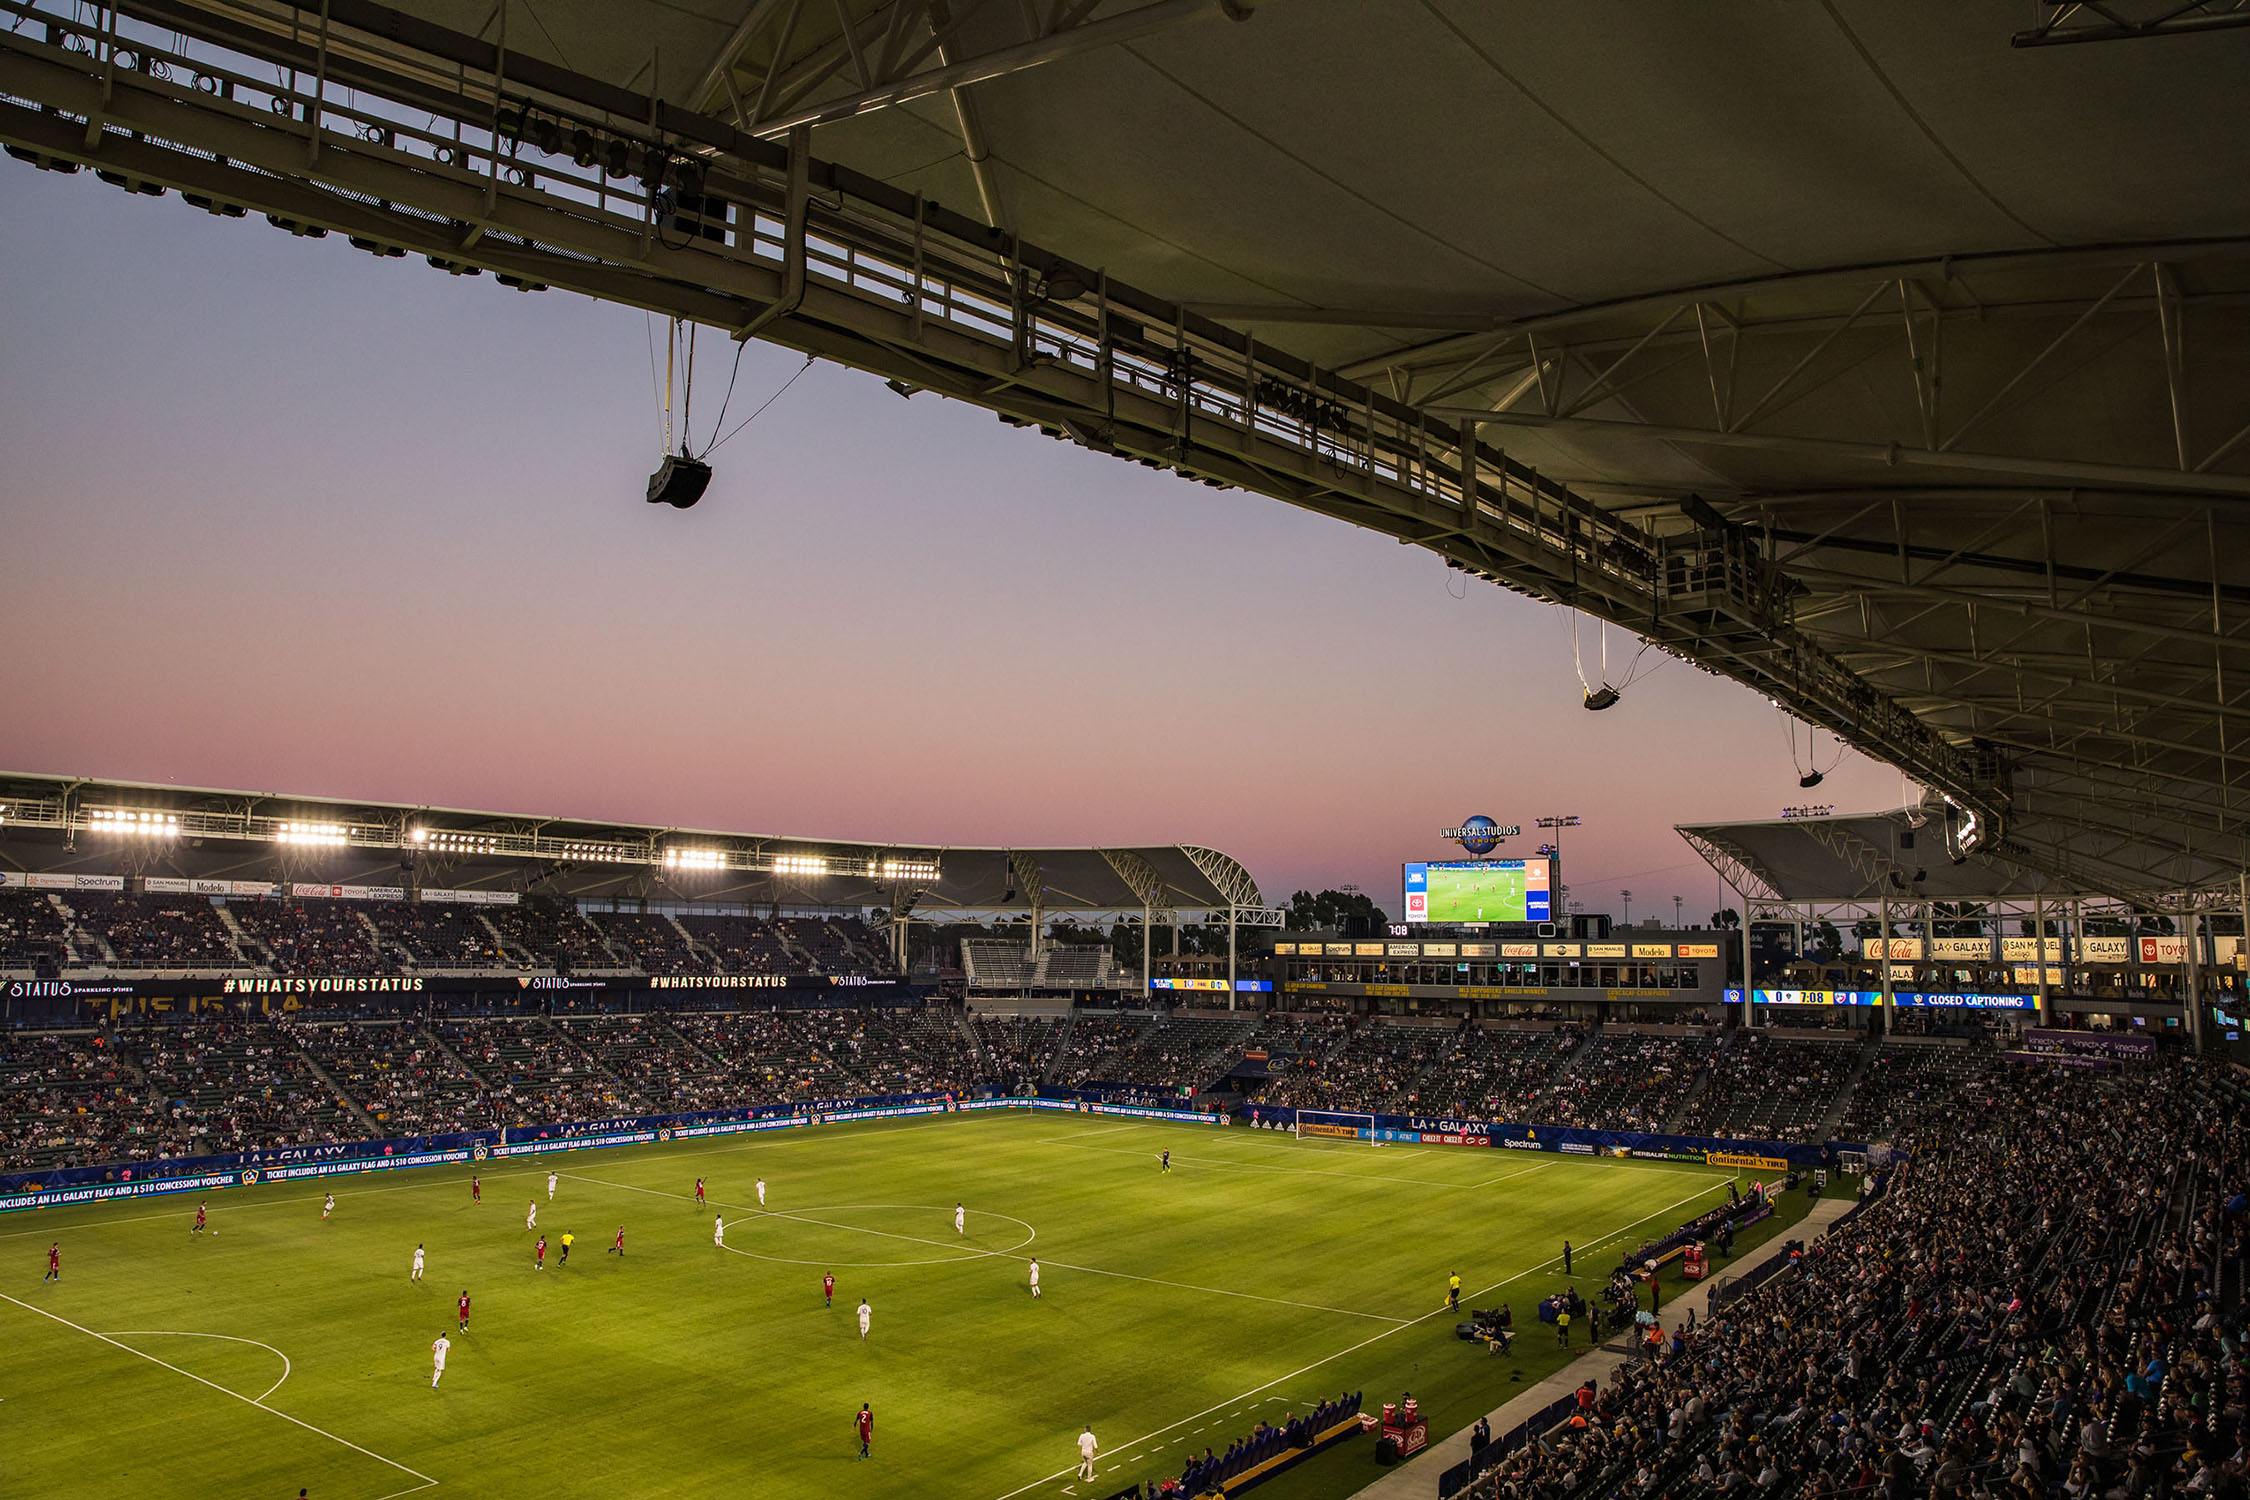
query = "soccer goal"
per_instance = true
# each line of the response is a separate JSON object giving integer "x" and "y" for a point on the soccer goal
{"x": 1333, "y": 1124}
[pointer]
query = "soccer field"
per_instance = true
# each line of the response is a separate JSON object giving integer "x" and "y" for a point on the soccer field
{"x": 1476, "y": 895}
{"x": 1259, "y": 1275}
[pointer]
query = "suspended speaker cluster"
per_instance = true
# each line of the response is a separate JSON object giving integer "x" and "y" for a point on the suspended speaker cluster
{"x": 652, "y": 165}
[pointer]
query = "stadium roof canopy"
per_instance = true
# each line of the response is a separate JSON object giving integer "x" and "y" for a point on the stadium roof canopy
{"x": 53, "y": 824}
{"x": 1877, "y": 356}
{"x": 1866, "y": 858}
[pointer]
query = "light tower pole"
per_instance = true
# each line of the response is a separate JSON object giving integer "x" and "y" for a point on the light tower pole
{"x": 1554, "y": 826}
{"x": 1627, "y": 897}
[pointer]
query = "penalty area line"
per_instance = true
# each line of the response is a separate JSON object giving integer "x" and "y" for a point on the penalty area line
{"x": 426, "y": 1483}
{"x": 1341, "y": 1353}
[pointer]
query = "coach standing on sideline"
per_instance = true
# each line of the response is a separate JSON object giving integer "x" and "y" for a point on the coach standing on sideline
{"x": 1566, "y": 1257}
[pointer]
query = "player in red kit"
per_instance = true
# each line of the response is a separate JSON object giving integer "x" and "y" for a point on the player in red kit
{"x": 54, "y": 1262}
{"x": 619, "y": 1247}
{"x": 699, "y": 1192}
{"x": 199, "y": 1212}
{"x": 828, "y": 1290}
{"x": 463, "y": 1308}
{"x": 539, "y": 1252}
{"x": 476, "y": 1188}
{"x": 866, "y": 1428}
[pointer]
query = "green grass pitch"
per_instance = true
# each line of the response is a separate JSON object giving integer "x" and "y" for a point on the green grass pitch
{"x": 1259, "y": 1275}
{"x": 1477, "y": 895}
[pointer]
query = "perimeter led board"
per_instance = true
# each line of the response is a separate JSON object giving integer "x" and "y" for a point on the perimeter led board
{"x": 1480, "y": 890}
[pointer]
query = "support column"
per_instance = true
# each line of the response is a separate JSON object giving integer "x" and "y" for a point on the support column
{"x": 2039, "y": 953}
{"x": 2191, "y": 1002}
{"x": 1883, "y": 946}
{"x": 1231, "y": 910}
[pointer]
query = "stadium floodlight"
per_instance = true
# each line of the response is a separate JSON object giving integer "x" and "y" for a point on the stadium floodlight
{"x": 445, "y": 841}
{"x": 330, "y": 835}
{"x": 132, "y": 822}
{"x": 800, "y": 864}
{"x": 693, "y": 859}
{"x": 603, "y": 854}
{"x": 909, "y": 869}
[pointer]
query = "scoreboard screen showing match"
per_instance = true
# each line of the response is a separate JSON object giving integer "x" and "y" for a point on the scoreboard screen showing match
{"x": 1480, "y": 890}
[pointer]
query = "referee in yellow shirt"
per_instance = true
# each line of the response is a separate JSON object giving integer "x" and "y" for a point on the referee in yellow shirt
{"x": 566, "y": 1239}
{"x": 1452, "y": 1290}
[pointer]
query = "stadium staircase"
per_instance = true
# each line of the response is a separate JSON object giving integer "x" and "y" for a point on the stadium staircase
{"x": 975, "y": 1044}
{"x": 1843, "y": 1101}
{"x": 1727, "y": 1039}
{"x": 1061, "y": 1052}
{"x": 342, "y": 1095}
{"x": 81, "y": 939}
{"x": 687, "y": 1044}
{"x": 695, "y": 948}
{"x": 437, "y": 1039}
{"x": 504, "y": 948}
{"x": 249, "y": 948}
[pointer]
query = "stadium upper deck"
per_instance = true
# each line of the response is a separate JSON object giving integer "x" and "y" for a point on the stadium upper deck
{"x": 131, "y": 879}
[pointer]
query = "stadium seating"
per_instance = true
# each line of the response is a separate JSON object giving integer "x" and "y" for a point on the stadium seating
{"x": 1017, "y": 1049}
{"x": 1970, "y": 1333}
{"x": 34, "y": 935}
{"x": 151, "y": 932}
{"x": 1624, "y": 1081}
{"x": 741, "y": 945}
{"x": 1493, "y": 1074}
{"x": 73, "y": 1098}
{"x": 400, "y": 1077}
{"x": 654, "y": 944}
{"x": 1901, "y": 1078}
{"x": 235, "y": 1086}
{"x": 439, "y": 936}
{"x": 546, "y": 937}
{"x": 1370, "y": 1067}
{"x": 1096, "y": 1046}
{"x": 1766, "y": 1088}
{"x": 314, "y": 937}
{"x": 539, "y": 1075}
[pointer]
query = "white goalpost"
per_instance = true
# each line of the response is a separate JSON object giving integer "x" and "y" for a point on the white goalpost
{"x": 1335, "y": 1125}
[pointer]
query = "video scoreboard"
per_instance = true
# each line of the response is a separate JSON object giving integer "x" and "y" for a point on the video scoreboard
{"x": 1481, "y": 890}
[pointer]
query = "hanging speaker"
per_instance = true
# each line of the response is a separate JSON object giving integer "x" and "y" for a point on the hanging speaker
{"x": 678, "y": 482}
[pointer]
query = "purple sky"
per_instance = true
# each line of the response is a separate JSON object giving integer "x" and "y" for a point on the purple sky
{"x": 280, "y": 515}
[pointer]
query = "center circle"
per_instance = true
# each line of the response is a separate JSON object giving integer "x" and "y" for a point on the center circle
{"x": 900, "y": 1224}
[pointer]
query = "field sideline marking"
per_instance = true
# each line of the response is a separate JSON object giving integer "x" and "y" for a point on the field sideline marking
{"x": 181, "y": 1333}
{"x": 1354, "y": 1349}
{"x": 1216, "y": 1164}
{"x": 775, "y": 1213}
{"x": 426, "y": 1483}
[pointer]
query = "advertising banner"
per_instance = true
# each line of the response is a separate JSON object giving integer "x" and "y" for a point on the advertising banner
{"x": 2041, "y": 1039}
{"x": 2105, "y": 950}
{"x": 1751, "y": 1163}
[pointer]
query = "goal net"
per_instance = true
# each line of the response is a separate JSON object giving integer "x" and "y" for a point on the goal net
{"x": 1333, "y": 1124}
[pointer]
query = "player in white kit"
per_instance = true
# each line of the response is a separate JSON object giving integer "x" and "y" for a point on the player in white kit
{"x": 960, "y": 1219}
{"x": 417, "y": 1276}
{"x": 718, "y": 1231}
{"x": 437, "y": 1359}
{"x": 328, "y": 1205}
{"x": 531, "y": 1215}
{"x": 550, "y": 1187}
{"x": 1087, "y": 1448}
{"x": 866, "y": 1317}
{"x": 1035, "y": 1278}
{"x": 761, "y": 1192}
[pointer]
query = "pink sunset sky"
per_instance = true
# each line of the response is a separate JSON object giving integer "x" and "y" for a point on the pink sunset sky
{"x": 282, "y": 516}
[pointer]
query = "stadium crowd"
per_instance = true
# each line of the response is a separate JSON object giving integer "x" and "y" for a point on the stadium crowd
{"x": 171, "y": 1086}
{"x": 2046, "y": 1302}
